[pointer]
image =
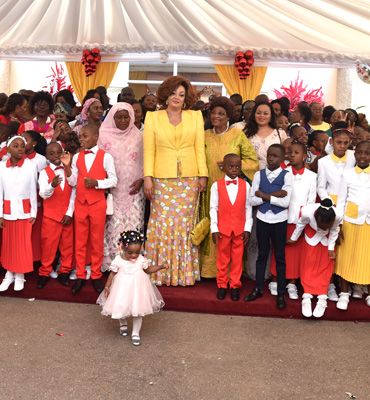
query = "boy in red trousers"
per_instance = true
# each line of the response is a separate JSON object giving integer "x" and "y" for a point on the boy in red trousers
{"x": 92, "y": 172}
{"x": 57, "y": 227}
{"x": 231, "y": 224}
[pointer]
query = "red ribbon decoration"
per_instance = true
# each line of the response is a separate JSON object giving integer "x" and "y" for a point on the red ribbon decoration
{"x": 243, "y": 63}
{"x": 90, "y": 59}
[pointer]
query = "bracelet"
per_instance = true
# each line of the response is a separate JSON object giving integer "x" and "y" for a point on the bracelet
{"x": 107, "y": 287}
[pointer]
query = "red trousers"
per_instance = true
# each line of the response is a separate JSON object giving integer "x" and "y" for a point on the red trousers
{"x": 89, "y": 224}
{"x": 230, "y": 250}
{"x": 53, "y": 235}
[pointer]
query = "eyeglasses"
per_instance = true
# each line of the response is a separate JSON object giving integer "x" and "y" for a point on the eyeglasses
{"x": 221, "y": 114}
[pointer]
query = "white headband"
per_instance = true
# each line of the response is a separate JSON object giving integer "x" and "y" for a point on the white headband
{"x": 16, "y": 137}
{"x": 326, "y": 208}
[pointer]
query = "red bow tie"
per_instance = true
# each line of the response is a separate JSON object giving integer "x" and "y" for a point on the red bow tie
{"x": 234, "y": 182}
{"x": 89, "y": 152}
{"x": 300, "y": 172}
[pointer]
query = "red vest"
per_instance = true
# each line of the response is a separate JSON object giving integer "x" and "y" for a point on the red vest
{"x": 56, "y": 206}
{"x": 231, "y": 217}
{"x": 97, "y": 171}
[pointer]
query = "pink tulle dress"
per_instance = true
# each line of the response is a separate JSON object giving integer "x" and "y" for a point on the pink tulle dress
{"x": 131, "y": 292}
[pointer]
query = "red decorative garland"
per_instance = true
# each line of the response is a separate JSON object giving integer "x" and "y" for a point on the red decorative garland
{"x": 243, "y": 63}
{"x": 90, "y": 59}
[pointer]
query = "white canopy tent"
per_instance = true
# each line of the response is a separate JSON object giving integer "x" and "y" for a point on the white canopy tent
{"x": 333, "y": 32}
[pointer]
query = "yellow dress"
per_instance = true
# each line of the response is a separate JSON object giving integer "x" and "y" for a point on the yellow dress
{"x": 217, "y": 146}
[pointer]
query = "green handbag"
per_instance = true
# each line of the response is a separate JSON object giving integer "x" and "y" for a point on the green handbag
{"x": 201, "y": 228}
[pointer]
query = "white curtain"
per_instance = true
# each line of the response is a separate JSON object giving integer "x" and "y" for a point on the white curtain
{"x": 299, "y": 30}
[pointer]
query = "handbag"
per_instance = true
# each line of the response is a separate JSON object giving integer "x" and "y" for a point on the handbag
{"x": 200, "y": 230}
{"x": 109, "y": 204}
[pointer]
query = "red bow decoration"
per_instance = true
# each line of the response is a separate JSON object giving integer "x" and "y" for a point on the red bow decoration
{"x": 90, "y": 59}
{"x": 230, "y": 182}
{"x": 243, "y": 63}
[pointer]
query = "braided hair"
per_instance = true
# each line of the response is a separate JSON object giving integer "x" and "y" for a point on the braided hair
{"x": 128, "y": 237}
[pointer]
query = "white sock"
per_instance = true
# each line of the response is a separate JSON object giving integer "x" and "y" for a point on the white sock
{"x": 136, "y": 325}
{"x": 9, "y": 275}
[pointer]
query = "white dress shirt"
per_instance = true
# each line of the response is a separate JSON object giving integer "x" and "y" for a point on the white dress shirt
{"x": 108, "y": 162}
{"x": 329, "y": 174}
{"x": 303, "y": 193}
{"x": 18, "y": 184}
{"x": 232, "y": 191}
{"x": 308, "y": 217}
{"x": 354, "y": 196}
{"x": 47, "y": 190}
{"x": 269, "y": 217}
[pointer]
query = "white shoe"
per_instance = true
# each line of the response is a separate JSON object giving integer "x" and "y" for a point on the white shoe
{"x": 321, "y": 305}
{"x": 88, "y": 271}
{"x": 343, "y": 301}
{"x": 53, "y": 274}
{"x": 332, "y": 294}
{"x": 72, "y": 275}
{"x": 306, "y": 305}
{"x": 357, "y": 292}
{"x": 273, "y": 288}
{"x": 7, "y": 281}
{"x": 368, "y": 300}
{"x": 19, "y": 282}
{"x": 292, "y": 291}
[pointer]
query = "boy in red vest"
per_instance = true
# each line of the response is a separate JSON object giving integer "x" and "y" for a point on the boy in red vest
{"x": 57, "y": 227}
{"x": 231, "y": 224}
{"x": 92, "y": 171}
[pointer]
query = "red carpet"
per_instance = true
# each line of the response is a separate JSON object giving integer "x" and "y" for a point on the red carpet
{"x": 200, "y": 298}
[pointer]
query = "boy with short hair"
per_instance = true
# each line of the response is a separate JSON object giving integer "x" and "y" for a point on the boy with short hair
{"x": 271, "y": 192}
{"x": 231, "y": 224}
{"x": 57, "y": 227}
{"x": 92, "y": 172}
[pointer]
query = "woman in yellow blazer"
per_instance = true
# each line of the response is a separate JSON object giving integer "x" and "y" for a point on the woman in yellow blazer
{"x": 175, "y": 172}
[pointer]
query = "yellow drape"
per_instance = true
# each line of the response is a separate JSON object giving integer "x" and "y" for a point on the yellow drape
{"x": 139, "y": 89}
{"x": 81, "y": 83}
{"x": 248, "y": 88}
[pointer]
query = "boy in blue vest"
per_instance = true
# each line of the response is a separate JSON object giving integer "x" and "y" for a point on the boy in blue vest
{"x": 231, "y": 224}
{"x": 271, "y": 192}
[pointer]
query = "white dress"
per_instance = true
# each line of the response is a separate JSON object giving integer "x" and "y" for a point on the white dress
{"x": 131, "y": 292}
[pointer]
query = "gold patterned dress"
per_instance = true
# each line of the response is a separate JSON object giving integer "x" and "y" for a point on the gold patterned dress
{"x": 217, "y": 146}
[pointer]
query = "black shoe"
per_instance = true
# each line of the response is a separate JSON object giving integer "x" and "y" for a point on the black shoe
{"x": 221, "y": 293}
{"x": 42, "y": 281}
{"x": 280, "y": 301}
{"x": 98, "y": 286}
{"x": 63, "y": 279}
{"x": 253, "y": 295}
{"x": 235, "y": 295}
{"x": 78, "y": 285}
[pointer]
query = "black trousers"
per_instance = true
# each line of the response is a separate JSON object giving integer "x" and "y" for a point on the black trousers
{"x": 277, "y": 233}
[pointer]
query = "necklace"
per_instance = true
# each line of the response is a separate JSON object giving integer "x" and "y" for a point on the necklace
{"x": 13, "y": 118}
{"x": 227, "y": 128}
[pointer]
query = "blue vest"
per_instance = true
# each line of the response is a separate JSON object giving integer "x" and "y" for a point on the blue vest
{"x": 267, "y": 187}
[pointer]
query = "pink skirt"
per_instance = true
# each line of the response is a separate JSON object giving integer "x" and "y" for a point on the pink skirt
{"x": 293, "y": 254}
{"x": 16, "y": 253}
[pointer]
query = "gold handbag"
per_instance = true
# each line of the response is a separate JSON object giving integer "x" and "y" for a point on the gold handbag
{"x": 200, "y": 230}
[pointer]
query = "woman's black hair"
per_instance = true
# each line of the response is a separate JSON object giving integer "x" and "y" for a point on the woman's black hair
{"x": 11, "y": 103}
{"x": 40, "y": 140}
{"x": 128, "y": 237}
{"x": 252, "y": 128}
{"x": 41, "y": 96}
{"x": 68, "y": 97}
{"x": 281, "y": 103}
{"x": 357, "y": 120}
{"x": 90, "y": 94}
{"x": 73, "y": 144}
{"x": 323, "y": 214}
{"x": 305, "y": 112}
{"x": 327, "y": 112}
{"x": 143, "y": 109}
{"x": 339, "y": 128}
{"x": 285, "y": 105}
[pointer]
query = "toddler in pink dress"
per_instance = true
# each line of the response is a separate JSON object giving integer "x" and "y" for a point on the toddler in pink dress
{"x": 129, "y": 291}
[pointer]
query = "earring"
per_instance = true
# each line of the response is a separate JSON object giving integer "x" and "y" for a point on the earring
{"x": 184, "y": 105}
{"x": 167, "y": 102}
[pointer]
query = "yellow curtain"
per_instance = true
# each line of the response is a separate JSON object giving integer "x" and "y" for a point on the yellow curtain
{"x": 81, "y": 83}
{"x": 139, "y": 89}
{"x": 248, "y": 88}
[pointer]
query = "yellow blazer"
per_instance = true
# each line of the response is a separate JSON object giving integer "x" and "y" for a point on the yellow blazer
{"x": 162, "y": 149}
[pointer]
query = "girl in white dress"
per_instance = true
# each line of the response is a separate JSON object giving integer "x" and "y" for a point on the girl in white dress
{"x": 128, "y": 291}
